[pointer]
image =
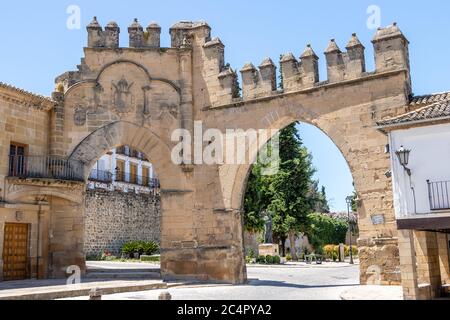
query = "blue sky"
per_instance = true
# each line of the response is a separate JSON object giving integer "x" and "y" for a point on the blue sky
{"x": 36, "y": 45}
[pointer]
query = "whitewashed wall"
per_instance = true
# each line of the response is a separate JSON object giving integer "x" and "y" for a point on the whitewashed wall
{"x": 429, "y": 160}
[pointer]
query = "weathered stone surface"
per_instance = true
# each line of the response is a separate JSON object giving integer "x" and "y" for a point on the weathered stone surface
{"x": 113, "y": 218}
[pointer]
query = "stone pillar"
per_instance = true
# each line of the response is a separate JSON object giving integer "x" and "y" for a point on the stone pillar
{"x": 57, "y": 125}
{"x": 42, "y": 254}
{"x": 428, "y": 270}
{"x": 444, "y": 259}
{"x": 66, "y": 247}
{"x": 408, "y": 265}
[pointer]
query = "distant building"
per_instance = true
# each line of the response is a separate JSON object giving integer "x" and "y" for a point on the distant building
{"x": 122, "y": 202}
{"x": 124, "y": 169}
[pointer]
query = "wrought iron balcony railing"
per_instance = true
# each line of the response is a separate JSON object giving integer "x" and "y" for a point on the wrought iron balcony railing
{"x": 438, "y": 194}
{"x": 100, "y": 176}
{"x": 137, "y": 180}
{"x": 46, "y": 167}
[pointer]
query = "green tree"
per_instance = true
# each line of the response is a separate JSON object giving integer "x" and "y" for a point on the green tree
{"x": 290, "y": 188}
{"x": 256, "y": 200}
{"x": 318, "y": 199}
{"x": 289, "y": 196}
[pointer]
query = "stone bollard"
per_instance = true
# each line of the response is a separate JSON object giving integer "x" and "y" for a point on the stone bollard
{"x": 165, "y": 296}
{"x": 341, "y": 252}
{"x": 95, "y": 294}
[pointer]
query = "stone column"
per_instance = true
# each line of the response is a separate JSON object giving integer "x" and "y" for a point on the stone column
{"x": 443, "y": 247}
{"x": 428, "y": 270}
{"x": 408, "y": 265}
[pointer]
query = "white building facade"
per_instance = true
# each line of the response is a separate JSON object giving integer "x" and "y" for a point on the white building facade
{"x": 124, "y": 169}
{"x": 419, "y": 147}
{"x": 427, "y": 190}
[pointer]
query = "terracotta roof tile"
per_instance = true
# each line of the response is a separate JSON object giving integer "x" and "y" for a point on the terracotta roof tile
{"x": 428, "y": 107}
{"x": 26, "y": 93}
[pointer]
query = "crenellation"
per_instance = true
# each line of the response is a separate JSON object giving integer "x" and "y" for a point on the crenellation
{"x": 250, "y": 79}
{"x": 309, "y": 67}
{"x": 96, "y": 36}
{"x": 267, "y": 71}
{"x": 258, "y": 83}
{"x": 354, "y": 59}
{"x": 391, "y": 49}
{"x": 152, "y": 36}
{"x": 136, "y": 34}
{"x": 229, "y": 87}
{"x": 335, "y": 62}
{"x": 112, "y": 32}
{"x": 200, "y": 31}
{"x": 289, "y": 71}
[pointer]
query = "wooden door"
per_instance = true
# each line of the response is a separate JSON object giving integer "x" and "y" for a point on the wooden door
{"x": 15, "y": 251}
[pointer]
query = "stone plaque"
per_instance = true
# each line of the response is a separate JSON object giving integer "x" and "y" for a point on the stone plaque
{"x": 377, "y": 219}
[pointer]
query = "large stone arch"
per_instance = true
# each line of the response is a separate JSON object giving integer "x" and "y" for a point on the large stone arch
{"x": 243, "y": 170}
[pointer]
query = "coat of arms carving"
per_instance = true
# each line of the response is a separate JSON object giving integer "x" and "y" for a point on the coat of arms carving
{"x": 123, "y": 98}
{"x": 79, "y": 116}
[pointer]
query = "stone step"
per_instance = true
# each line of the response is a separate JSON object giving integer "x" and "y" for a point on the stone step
{"x": 122, "y": 270}
{"x": 123, "y": 275}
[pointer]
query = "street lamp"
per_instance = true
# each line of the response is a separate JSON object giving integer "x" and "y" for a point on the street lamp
{"x": 403, "y": 158}
{"x": 349, "y": 201}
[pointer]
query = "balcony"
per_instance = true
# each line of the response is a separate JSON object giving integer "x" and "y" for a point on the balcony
{"x": 137, "y": 180}
{"x": 45, "y": 167}
{"x": 127, "y": 151}
{"x": 438, "y": 195}
{"x": 100, "y": 176}
{"x": 438, "y": 218}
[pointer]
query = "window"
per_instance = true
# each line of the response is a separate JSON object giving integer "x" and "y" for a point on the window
{"x": 17, "y": 159}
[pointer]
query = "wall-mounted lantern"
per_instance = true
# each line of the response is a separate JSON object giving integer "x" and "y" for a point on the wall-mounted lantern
{"x": 403, "y": 158}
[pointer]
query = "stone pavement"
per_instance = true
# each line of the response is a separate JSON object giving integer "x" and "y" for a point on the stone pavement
{"x": 373, "y": 292}
{"x": 298, "y": 264}
{"x": 52, "y": 289}
{"x": 265, "y": 283}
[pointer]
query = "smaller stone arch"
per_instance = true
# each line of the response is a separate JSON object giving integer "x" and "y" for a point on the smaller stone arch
{"x": 118, "y": 133}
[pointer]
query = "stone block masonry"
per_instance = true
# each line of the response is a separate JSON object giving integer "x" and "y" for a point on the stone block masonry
{"x": 113, "y": 218}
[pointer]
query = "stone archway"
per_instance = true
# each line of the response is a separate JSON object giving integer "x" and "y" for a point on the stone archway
{"x": 172, "y": 180}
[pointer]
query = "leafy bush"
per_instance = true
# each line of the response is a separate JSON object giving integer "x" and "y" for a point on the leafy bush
{"x": 150, "y": 258}
{"x": 261, "y": 259}
{"x": 324, "y": 229}
{"x": 288, "y": 257}
{"x": 251, "y": 253}
{"x": 140, "y": 247}
{"x": 276, "y": 260}
{"x": 269, "y": 259}
{"x": 149, "y": 248}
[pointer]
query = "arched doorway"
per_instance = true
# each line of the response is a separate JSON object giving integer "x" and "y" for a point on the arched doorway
{"x": 290, "y": 211}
